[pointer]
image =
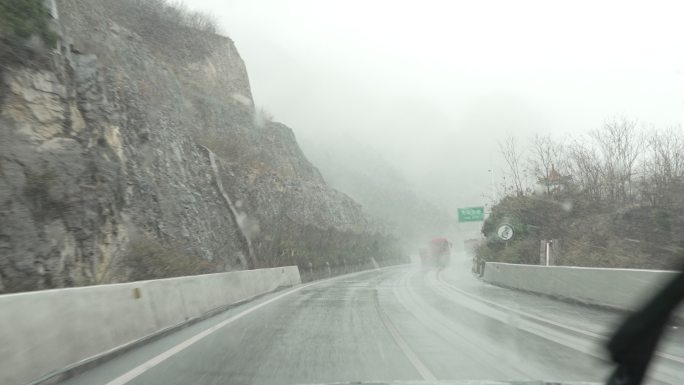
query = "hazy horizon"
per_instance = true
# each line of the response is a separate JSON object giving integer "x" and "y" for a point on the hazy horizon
{"x": 432, "y": 86}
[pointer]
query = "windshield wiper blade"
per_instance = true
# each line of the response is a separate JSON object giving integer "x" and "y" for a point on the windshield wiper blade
{"x": 633, "y": 345}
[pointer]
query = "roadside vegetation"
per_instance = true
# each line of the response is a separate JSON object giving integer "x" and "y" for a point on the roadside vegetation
{"x": 168, "y": 27}
{"x": 21, "y": 20}
{"x": 148, "y": 258}
{"x": 613, "y": 198}
{"x": 25, "y": 33}
{"x": 321, "y": 253}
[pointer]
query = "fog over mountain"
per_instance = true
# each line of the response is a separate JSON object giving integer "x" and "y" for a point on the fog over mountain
{"x": 433, "y": 86}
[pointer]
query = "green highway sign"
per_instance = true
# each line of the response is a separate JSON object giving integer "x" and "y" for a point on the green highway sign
{"x": 471, "y": 214}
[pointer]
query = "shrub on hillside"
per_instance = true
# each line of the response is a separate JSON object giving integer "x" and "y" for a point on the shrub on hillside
{"x": 148, "y": 258}
{"x": 24, "y": 30}
{"x": 315, "y": 249}
{"x": 613, "y": 198}
{"x": 590, "y": 235}
{"x": 22, "y": 19}
{"x": 167, "y": 26}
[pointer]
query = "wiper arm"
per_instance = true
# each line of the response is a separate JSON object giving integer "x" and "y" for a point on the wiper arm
{"x": 633, "y": 345}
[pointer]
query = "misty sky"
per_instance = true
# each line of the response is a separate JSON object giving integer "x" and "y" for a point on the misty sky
{"x": 432, "y": 85}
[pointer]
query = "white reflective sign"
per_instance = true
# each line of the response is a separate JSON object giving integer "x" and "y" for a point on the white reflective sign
{"x": 505, "y": 232}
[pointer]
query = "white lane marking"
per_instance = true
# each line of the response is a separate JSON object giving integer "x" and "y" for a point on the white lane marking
{"x": 477, "y": 348}
{"x": 663, "y": 374}
{"x": 667, "y": 356}
{"x": 137, "y": 371}
{"x": 408, "y": 352}
{"x": 154, "y": 361}
{"x": 519, "y": 312}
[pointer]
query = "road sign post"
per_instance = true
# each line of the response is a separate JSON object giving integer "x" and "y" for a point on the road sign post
{"x": 505, "y": 233}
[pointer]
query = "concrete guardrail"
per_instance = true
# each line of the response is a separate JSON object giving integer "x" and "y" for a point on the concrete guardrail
{"x": 44, "y": 331}
{"x": 623, "y": 289}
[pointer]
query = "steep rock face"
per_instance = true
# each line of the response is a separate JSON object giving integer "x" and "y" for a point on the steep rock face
{"x": 111, "y": 140}
{"x": 61, "y": 181}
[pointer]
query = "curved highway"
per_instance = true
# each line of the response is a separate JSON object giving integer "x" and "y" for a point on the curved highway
{"x": 396, "y": 324}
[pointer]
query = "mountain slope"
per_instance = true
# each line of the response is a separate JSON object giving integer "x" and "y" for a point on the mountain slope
{"x": 385, "y": 194}
{"x": 107, "y": 146}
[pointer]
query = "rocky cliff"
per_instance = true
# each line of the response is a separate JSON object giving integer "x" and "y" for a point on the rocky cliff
{"x": 137, "y": 129}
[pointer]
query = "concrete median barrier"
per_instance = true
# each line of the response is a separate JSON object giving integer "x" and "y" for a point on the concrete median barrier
{"x": 623, "y": 289}
{"x": 44, "y": 331}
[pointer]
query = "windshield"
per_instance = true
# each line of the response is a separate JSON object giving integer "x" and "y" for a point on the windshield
{"x": 311, "y": 192}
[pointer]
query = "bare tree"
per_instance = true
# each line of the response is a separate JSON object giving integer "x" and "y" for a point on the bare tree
{"x": 616, "y": 164}
{"x": 546, "y": 157}
{"x": 585, "y": 167}
{"x": 619, "y": 146}
{"x": 512, "y": 155}
{"x": 663, "y": 170}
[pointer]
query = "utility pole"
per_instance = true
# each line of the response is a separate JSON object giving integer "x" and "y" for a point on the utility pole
{"x": 491, "y": 174}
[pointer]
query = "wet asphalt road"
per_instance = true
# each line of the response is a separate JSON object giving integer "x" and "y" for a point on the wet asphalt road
{"x": 403, "y": 323}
